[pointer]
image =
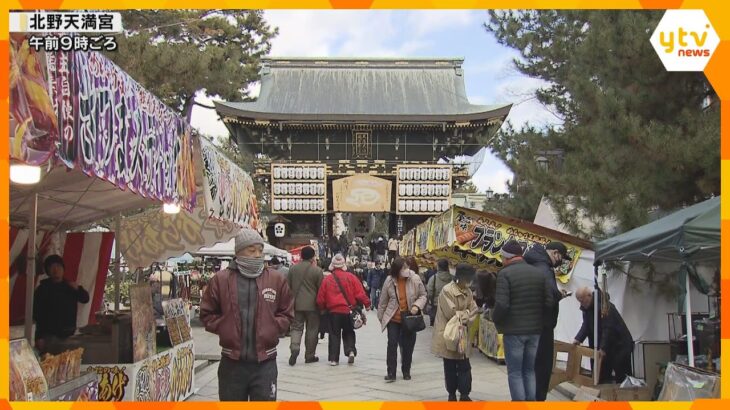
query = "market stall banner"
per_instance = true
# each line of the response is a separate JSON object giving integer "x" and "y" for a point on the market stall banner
{"x": 480, "y": 238}
{"x": 86, "y": 256}
{"x": 33, "y": 120}
{"x": 114, "y": 129}
{"x": 27, "y": 382}
{"x": 442, "y": 231}
{"x": 423, "y": 231}
{"x": 229, "y": 190}
{"x": 408, "y": 244}
{"x": 144, "y": 335}
{"x": 361, "y": 193}
{"x": 177, "y": 320}
{"x": 155, "y": 236}
{"x": 166, "y": 376}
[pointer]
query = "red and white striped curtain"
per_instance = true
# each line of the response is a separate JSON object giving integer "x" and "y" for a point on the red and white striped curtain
{"x": 86, "y": 255}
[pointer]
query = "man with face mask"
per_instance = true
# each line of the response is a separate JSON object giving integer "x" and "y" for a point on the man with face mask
{"x": 547, "y": 258}
{"x": 248, "y": 306}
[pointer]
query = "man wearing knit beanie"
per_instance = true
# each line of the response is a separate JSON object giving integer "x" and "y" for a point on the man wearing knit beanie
{"x": 237, "y": 298}
{"x": 523, "y": 299}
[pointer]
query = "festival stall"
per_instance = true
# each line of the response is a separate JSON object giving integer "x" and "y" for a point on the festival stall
{"x": 464, "y": 235}
{"x": 107, "y": 146}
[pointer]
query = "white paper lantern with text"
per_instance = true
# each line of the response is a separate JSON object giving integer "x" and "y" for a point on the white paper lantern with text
{"x": 416, "y": 206}
{"x": 416, "y": 190}
{"x": 402, "y": 205}
{"x": 277, "y": 204}
{"x": 277, "y": 172}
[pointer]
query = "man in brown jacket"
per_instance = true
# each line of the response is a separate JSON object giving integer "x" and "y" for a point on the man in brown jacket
{"x": 248, "y": 307}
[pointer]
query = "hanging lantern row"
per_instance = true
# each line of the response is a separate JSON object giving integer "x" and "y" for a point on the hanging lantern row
{"x": 298, "y": 173}
{"x": 428, "y": 190}
{"x": 424, "y": 174}
{"x": 299, "y": 205}
{"x": 408, "y": 205}
{"x": 298, "y": 189}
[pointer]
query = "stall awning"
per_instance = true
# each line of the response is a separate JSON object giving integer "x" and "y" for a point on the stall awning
{"x": 691, "y": 234}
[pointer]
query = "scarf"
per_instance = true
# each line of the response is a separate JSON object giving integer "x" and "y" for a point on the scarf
{"x": 250, "y": 267}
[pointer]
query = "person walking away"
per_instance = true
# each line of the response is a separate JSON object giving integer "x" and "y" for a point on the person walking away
{"x": 375, "y": 278}
{"x": 381, "y": 250}
{"x": 305, "y": 279}
{"x": 55, "y": 304}
{"x": 524, "y": 299}
{"x": 393, "y": 245}
{"x": 615, "y": 341}
{"x": 403, "y": 293}
{"x": 455, "y": 298}
{"x": 436, "y": 284}
{"x": 340, "y": 292}
{"x": 248, "y": 306}
{"x": 546, "y": 259}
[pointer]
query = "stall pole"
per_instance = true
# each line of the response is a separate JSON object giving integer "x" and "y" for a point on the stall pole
{"x": 30, "y": 271}
{"x": 117, "y": 258}
{"x": 688, "y": 311}
{"x": 596, "y": 297}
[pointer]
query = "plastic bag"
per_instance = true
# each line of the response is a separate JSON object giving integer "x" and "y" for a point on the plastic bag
{"x": 683, "y": 383}
{"x": 632, "y": 382}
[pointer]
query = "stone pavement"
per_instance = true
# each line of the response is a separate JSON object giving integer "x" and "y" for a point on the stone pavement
{"x": 363, "y": 381}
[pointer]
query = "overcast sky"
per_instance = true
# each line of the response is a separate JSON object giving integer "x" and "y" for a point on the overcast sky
{"x": 489, "y": 74}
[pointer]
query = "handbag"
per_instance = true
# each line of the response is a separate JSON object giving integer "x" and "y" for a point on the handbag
{"x": 413, "y": 323}
{"x": 357, "y": 318}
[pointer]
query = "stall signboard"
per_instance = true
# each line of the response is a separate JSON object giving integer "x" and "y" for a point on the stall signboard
{"x": 229, "y": 190}
{"x": 177, "y": 321}
{"x": 166, "y": 376}
{"x": 361, "y": 193}
{"x": 27, "y": 382}
{"x": 408, "y": 244}
{"x": 144, "y": 333}
{"x": 33, "y": 120}
{"x": 474, "y": 237}
{"x": 114, "y": 129}
{"x": 154, "y": 236}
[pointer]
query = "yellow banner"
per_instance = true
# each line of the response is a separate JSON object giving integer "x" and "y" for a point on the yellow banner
{"x": 442, "y": 228}
{"x": 361, "y": 193}
{"x": 423, "y": 231}
{"x": 408, "y": 244}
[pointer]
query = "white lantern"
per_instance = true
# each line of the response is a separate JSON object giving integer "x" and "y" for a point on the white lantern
{"x": 277, "y": 172}
{"x": 424, "y": 174}
{"x": 417, "y": 174}
{"x": 416, "y": 206}
{"x": 409, "y": 206}
{"x": 446, "y": 175}
{"x": 447, "y": 190}
{"x": 431, "y": 190}
{"x": 424, "y": 189}
{"x": 305, "y": 189}
{"x": 403, "y": 173}
{"x": 438, "y": 207}
{"x": 431, "y": 174}
{"x": 277, "y": 204}
{"x": 401, "y": 205}
{"x": 321, "y": 204}
{"x": 299, "y": 188}
{"x": 305, "y": 173}
{"x": 445, "y": 205}
{"x": 284, "y": 204}
{"x": 411, "y": 174}
{"x": 283, "y": 189}
{"x": 279, "y": 230}
{"x": 402, "y": 189}
{"x": 431, "y": 205}
{"x": 321, "y": 189}
{"x": 416, "y": 190}
{"x": 277, "y": 189}
{"x": 305, "y": 205}
{"x": 320, "y": 173}
{"x": 409, "y": 190}
{"x": 424, "y": 205}
{"x": 298, "y": 204}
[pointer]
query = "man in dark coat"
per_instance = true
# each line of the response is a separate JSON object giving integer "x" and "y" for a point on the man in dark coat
{"x": 615, "y": 341}
{"x": 546, "y": 258}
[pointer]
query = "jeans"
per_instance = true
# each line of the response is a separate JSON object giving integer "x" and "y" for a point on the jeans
{"x": 519, "y": 353}
{"x": 544, "y": 363}
{"x": 311, "y": 319}
{"x": 458, "y": 376}
{"x": 247, "y": 381}
{"x": 398, "y": 335}
{"x": 374, "y": 297}
{"x": 341, "y": 328}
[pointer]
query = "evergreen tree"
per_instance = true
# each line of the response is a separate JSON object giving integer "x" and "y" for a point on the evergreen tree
{"x": 177, "y": 53}
{"x": 633, "y": 137}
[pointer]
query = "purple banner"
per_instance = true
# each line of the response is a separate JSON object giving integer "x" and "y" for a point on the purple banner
{"x": 113, "y": 128}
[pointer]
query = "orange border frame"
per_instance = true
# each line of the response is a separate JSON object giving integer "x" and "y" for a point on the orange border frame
{"x": 717, "y": 72}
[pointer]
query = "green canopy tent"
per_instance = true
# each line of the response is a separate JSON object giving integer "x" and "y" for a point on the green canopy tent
{"x": 686, "y": 237}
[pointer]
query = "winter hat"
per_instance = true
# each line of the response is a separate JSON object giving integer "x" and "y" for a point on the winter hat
{"x": 511, "y": 249}
{"x": 338, "y": 262}
{"x": 465, "y": 272}
{"x": 246, "y": 238}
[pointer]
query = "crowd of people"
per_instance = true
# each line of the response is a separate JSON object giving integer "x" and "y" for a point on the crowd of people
{"x": 250, "y": 305}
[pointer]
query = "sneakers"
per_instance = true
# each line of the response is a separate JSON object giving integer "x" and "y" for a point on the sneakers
{"x": 351, "y": 358}
{"x": 332, "y": 363}
{"x": 315, "y": 359}
{"x": 293, "y": 358}
{"x": 390, "y": 378}
{"x": 464, "y": 398}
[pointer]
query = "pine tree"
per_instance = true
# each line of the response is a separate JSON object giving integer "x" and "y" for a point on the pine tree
{"x": 176, "y": 53}
{"x": 633, "y": 137}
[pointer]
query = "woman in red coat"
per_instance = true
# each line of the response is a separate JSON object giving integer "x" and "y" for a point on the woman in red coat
{"x": 332, "y": 299}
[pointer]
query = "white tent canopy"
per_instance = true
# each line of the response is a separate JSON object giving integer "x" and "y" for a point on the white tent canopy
{"x": 227, "y": 249}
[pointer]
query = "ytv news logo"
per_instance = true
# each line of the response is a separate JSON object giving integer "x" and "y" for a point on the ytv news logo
{"x": 685, "y": 40}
